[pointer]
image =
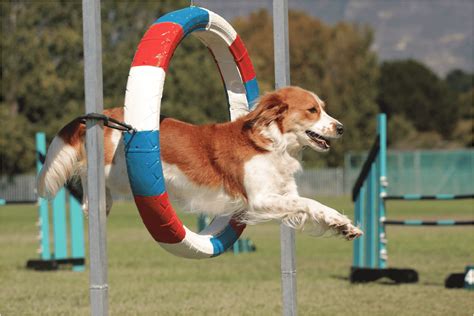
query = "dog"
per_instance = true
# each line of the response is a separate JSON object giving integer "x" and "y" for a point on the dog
{"x": 245, "y": 167}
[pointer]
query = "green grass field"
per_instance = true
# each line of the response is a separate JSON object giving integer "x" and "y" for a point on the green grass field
{"x": 145, "y": 280}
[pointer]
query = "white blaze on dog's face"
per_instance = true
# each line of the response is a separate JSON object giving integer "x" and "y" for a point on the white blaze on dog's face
{"x": 307, "y": 118}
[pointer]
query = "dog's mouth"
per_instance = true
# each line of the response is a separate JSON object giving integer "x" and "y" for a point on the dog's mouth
{"x": 321, "y": 141}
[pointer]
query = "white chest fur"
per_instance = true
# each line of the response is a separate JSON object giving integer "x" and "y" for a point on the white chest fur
{"x": 271, "y": 173}
{"x": 196, "y": 198}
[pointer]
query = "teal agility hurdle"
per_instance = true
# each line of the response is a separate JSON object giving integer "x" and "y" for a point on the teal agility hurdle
{"x": 369, "y": 195}
{"x": 57, "y": 247}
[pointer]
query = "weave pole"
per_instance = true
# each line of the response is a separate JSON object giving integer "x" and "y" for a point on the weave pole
{"x": 282, "y": 79}
{"x": 95, "y": 157}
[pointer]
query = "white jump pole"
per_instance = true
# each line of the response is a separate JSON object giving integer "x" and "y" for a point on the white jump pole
{"x": 282, "y": 79}
{"x": 95, "y": 157}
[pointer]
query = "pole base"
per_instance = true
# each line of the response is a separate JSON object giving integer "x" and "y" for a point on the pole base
{"x": 54, "y": 264}
{"x": 365, "y": 275}
{"x": 454, "y": 281}
{"x": 461, "y": 280}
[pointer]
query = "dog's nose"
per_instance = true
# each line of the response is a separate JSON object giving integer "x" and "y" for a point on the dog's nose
{"x": 340, "y": 129}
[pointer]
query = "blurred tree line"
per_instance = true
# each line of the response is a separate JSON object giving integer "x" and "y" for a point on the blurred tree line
{"x": 42, "y": 77}
{"x": 425, "y": 111}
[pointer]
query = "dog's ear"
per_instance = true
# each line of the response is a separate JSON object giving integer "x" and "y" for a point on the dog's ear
{"x": 270, "y": 108}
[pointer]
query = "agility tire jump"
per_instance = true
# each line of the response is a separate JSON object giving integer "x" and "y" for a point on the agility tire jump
{"x": 142, "y": 111}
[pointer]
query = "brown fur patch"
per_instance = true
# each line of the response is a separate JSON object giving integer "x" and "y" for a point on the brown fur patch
{"x": 214, "y": 155}
{"x": 73, "y": 134}
{"x": 271, "y": 108}
{"x": 211, "y": 155}
{"x": 299, "y": 103}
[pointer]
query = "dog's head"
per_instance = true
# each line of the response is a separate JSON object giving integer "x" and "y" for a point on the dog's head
{"x": 299, "y": 113}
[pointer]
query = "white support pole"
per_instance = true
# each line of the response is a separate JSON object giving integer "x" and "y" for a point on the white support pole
{"x": 282, "y": 79}
{"x": 95, "y": 157}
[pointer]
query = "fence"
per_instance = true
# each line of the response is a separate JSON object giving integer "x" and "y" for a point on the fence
{"x": 20, "y": 188}
{"x": 311, "y": 182}
{"x": 321, "y": 182}
{"x": 419, "y": 172}
{"x": 425, "y": 172}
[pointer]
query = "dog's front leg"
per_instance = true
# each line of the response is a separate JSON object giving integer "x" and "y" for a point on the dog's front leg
{"x": 334, "y": 220}
{"x": 295, "y": 211}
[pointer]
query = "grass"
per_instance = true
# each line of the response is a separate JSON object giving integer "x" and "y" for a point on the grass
{"x": 145, "y": 280}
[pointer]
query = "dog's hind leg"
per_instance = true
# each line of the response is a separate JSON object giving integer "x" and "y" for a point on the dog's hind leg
{"x": 85, "y": 201}
{"x": 108, "y": 200}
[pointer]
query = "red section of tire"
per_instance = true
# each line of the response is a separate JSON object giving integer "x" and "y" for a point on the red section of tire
{"x": 157, "y": 45}
{"x": 160, "y": 219}
{"x": 242, "y": 58}
{"x": 237, "y": 226}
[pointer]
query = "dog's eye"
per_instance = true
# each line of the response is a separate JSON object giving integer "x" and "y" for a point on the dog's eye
{"x": 312, "y": 110}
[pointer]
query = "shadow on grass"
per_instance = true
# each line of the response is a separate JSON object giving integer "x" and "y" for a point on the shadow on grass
{"x": 386, "y": 281}
{"x": 383, "y": 281}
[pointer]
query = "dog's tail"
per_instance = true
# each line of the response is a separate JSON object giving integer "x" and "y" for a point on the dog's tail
{"x": 63, "y": 160}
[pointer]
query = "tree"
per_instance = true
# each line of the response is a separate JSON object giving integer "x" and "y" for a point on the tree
{"x": 39, "y": 74}
{"x": 462, "y": 84}
{"x": 334, "y": 61}
{"x": 459, "y": 81}
{"x": 410, "y": 89}
{"x": 466, "y": 104}
{"x": 42, "y": 70}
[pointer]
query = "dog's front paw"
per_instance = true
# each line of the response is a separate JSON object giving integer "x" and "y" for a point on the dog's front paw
{"x": 351, "y": 232}
{"x": 348, "y": 231}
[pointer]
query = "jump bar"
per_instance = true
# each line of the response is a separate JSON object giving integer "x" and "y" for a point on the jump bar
{"x": 429, "y": 197}
{"x": 445, "y": 222}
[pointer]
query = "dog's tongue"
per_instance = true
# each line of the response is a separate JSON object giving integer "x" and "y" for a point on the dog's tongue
{"x": 319, "y": 139}
{"x": 324, "y": 142}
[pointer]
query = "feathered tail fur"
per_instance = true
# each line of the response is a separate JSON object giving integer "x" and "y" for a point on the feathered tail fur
{"x": 62, "y": 160}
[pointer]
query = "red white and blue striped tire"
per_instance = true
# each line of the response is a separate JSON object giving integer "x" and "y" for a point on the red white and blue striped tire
{"x": 142, "y": 111}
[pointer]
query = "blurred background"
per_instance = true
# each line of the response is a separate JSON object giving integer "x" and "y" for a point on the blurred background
{"x": 410, "y": 59}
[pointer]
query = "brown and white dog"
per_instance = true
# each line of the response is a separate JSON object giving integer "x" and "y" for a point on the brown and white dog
{"x": 245, "y": 167}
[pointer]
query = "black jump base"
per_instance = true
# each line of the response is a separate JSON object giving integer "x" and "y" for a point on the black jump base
{"x": 365, "y": 275}
{"x": 53, "y": 264}
{"x": 455, "y": 281}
